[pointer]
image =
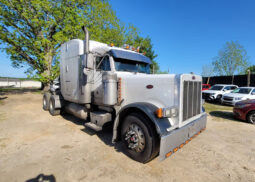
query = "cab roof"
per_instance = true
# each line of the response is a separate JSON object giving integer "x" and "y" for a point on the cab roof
{"x": 102, "y": 48}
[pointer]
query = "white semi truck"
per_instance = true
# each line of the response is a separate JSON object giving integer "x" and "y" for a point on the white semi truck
{"x": 151, "y": 114}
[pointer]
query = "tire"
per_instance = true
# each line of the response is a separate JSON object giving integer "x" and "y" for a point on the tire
{"x": 145, "y": 134}
{"x": 218, "y": 99}
{"x": 251, "y": 117}
{"x": 53, "y": 111}
{"x": 46, "y": 100}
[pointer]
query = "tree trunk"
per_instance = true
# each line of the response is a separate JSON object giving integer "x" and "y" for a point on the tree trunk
{"x": 45, "y": 87}
{"x": 232, "y": 79}
{"x": 47, "y": 72}
{"x": 208, "y": 80}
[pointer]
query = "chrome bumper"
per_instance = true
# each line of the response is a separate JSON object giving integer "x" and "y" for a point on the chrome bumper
{"x": 175, "y": 140}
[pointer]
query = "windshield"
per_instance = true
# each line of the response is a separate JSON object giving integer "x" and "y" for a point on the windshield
{"x": 131, "y": 66}
{"x": 242, "y": 90}
{"x": 216, "y": 87}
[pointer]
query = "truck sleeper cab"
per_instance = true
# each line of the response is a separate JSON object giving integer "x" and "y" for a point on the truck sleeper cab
{"x": 151, "y": 114}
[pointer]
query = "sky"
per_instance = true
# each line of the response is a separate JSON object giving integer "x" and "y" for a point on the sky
{"x": 186, "y": 34}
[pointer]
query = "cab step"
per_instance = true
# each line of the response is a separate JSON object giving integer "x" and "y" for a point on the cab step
{"x": 93, "y": 126}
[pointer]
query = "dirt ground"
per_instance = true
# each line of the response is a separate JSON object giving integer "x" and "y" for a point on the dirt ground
{"x": 60, "y": 148}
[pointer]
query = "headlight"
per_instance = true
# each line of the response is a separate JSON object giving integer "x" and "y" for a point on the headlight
{"x": 170, "y": 112}
{"x": 238, "y": 98}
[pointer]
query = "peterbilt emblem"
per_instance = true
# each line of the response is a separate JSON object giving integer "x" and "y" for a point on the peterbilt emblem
{"x": 193, "y": 77}
{"x": 149, "y": 86}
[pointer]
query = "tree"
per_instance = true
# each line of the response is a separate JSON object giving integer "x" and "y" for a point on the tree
{"x": 251, "y": 68}
{"x": 231, "y": 59}
{"x": 33, "y": 30}
{"x": 144, "y": 44}
{"x": 207, "y": 71}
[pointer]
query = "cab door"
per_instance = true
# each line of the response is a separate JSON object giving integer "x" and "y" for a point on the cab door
{"x": 102, "y": 65}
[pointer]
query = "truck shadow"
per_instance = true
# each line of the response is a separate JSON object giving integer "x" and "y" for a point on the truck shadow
{"x": 43, "y": 178}
{"x": 105, "y": 135}
{"x": 225, "y": 115}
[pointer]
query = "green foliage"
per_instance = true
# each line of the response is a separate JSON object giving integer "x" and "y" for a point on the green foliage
{"x": 231, "y": 58}
{"x": 33, "y": 30}
{"x": 251, "y": 68}
{"x": 145, "y": 46}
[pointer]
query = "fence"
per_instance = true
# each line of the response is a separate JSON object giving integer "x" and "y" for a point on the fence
{"x": 240, "y": 80}
{"x": 18, "y": 83}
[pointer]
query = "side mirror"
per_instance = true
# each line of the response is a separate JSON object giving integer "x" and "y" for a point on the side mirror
{"x": 224, "y": 90}
{"x": 253, "y": 93}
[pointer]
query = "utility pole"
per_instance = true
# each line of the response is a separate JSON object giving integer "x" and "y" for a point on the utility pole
{"x": 248, "y": 78}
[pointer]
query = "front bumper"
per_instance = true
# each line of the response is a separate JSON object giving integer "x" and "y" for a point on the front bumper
{"x": 208, "y": 97}
{"x": 227, "y": 102}
{"x": 175, "y": 140}
{"x": 239, "y": 113}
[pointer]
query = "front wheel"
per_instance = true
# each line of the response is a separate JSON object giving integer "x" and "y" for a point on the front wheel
{"x": 251, "y": 117}
{"x": 218, "y": 98}
{"x": 139, "y": 138}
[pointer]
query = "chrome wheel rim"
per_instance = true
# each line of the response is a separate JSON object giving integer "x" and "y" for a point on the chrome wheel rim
{"x": 252, "y": 117}
{"x": 135, "y": 138}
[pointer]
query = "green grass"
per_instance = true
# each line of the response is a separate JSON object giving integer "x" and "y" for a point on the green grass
{"x": 209, "y": 107}
{"x": 219, "y": 112}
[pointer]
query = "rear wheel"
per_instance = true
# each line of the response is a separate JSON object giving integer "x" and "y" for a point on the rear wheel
{"x": 139, "y": 138}
{"x": 251, "y": 117}
{"x": 46, "y": 100}
{"x": 53, "y": 111}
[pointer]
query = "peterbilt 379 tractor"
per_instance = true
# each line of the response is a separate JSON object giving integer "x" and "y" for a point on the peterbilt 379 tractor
{"x": 152, "y": 114}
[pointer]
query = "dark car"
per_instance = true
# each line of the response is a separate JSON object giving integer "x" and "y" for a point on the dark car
{"x": 245, "y": 110}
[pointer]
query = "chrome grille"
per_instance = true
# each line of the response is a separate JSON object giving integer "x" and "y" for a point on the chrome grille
{"x": 228, "y": 98}
{"x": 191, "y": 99}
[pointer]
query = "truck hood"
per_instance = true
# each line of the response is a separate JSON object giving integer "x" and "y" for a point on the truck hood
{"x": 155, "y": 89}
{"x": 212, "y": 91}
{"x": 250, "y": 101}
{"x": 235, "y": 95}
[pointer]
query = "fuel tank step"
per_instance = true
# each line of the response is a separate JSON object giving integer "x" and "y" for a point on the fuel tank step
{"x": 93, "y": 126}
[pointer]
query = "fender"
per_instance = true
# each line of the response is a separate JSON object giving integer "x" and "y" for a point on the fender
{"x": 148, "y": 109}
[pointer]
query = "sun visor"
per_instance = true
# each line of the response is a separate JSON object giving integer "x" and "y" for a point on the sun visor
{"x": 129, "y": 56}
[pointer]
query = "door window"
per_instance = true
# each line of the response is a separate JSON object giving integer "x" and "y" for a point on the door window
{"x": 228, "y": 88}
{"x": 253, "y": 92}
{"x": 103, "y": 64}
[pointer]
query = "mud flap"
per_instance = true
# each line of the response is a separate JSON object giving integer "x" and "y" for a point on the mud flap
{"x": 171, "y": 142}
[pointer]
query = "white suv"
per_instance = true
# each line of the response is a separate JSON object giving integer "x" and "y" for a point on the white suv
{"x": 242, "y": 93}
{"x": 216, "y": 91}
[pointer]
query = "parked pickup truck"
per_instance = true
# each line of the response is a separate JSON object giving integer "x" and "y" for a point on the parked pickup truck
{"x": 151, "y": 114}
